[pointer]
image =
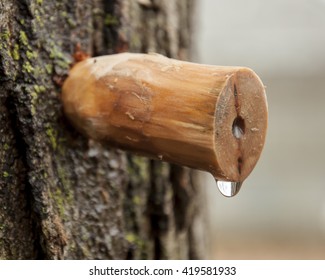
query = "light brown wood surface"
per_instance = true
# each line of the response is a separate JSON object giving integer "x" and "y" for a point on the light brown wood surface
{"x": 206, "y": 117}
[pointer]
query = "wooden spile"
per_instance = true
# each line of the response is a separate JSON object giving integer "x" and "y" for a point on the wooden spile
{"x": 211, "y": 118}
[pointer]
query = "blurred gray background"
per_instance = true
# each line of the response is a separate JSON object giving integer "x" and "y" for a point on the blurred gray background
{"x": 280, "y": 211}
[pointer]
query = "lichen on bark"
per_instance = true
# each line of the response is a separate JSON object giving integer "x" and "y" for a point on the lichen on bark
{"x": 63, "y": 196}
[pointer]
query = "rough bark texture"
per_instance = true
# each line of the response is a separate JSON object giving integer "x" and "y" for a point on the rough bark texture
{"x": 63, "y": 196}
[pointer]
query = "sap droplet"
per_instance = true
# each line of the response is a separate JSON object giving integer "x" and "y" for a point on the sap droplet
{"x": 228, "y": 189}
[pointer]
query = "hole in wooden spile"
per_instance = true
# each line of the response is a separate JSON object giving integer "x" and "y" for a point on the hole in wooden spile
{"x": 238, "y": 127}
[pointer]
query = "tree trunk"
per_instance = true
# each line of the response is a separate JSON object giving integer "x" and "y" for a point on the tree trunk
{"x": 63, "y": 196}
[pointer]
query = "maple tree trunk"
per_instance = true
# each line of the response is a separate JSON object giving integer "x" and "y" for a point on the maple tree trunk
{"x": 63, "y": 196}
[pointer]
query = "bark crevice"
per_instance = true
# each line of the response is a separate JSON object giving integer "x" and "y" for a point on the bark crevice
{"x": 63, "y": 196}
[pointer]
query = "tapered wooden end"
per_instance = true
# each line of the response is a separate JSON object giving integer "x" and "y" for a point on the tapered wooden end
{"x": 241, "y": 124}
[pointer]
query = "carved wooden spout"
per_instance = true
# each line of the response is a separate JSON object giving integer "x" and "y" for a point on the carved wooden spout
{"x": 211, "y": 118}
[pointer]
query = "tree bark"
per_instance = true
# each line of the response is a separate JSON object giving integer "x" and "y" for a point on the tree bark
{"x": 63, "y": 196}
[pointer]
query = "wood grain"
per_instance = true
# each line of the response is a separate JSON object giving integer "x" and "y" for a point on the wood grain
{"x": 206, "y": 117}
